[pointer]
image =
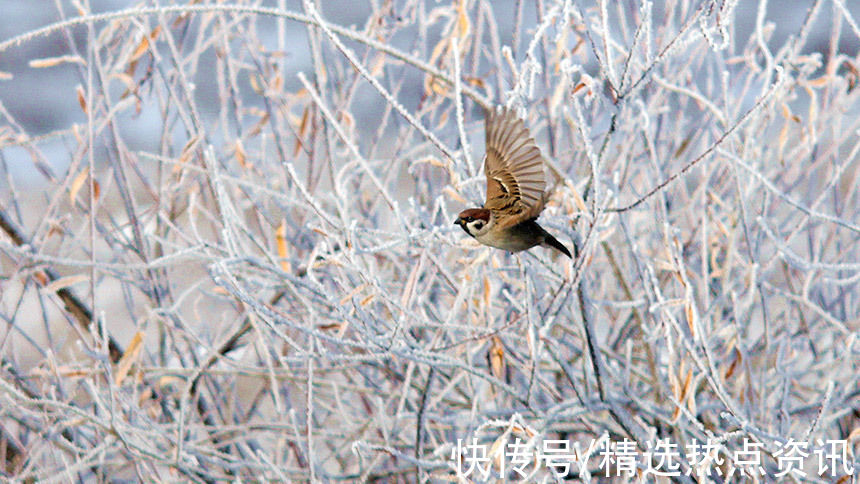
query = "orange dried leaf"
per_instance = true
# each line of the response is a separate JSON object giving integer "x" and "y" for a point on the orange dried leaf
{"x": 55, "y": 61}
{"x": 820, "y": 82}
{"x": 82, "y": 100}
{"x": 252, "y": 80}
{"x": 142, "y": 47}
{"x": 131, "y": 356}
{"x": 497, "y": 451}
{"x": 281, "y": 242}
{"x": 277, "y": 83}
{"x": 685, "y": 389}
{"x": 733, "y": 365}
{"x": 377, "y": 66}
{"x": 187, "y": 152}
{"x": 497, "y": 359}
{"x": 77, "y": 184}
{"x": 690, "y": 318}
{"x": 475, "y": 81}
{"x": 303, "y": 130}
{"x": 241, "y": 156}
{"x": 577, "y": 198}
{"x": 40, "y": 277}
{"x": 453, "y": 194}
{"x": 255, "y": 130}
{"x": 463, "y": 23}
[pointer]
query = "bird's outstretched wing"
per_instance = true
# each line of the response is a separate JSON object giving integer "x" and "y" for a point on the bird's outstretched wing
{"x": 514, "y": 169}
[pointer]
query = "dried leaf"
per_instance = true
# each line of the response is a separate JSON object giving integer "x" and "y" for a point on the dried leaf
{"x": 187, "y": 152}
{"x": 64, "y": 282}
{"x": 82, "y": 100}
{"x": 41, "y": 278}
{"x": 303, "y": 130}
{"x": 454, "y": 194}
{"x": 55, "y": 61}
{"x": 281, "y": 242}
{"x": 131, "y": 356}
{"x": 682, "y": 147}
{"x": 345, "y": 299}
{"x": 787, "y": 114}
{"x": 409, "y": 287}
{"x": 241, "y": 156}
{"x": 144, "y": 44}
{"x": 77, "y": 184}
{"x": 258, "y": 126}
{"x": 691, "y": 323}
{"x": 577, "y": 198}
{"x": 252, "y": 80}
{"x": 685, "y": 389}
{"x": 733, "y": 365}
{"x": 475, "y": 81}
{"x": 497, "y": 451}
{"x": 820, "y": 82}
{"x": 497, "y": 359}
{"x": 464, "y": 26}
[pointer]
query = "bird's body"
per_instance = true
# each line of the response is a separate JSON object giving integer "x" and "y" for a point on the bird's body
{"x": 515, "y": 189}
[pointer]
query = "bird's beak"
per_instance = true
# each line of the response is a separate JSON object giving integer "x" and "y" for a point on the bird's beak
{"x": 459, "y": 221}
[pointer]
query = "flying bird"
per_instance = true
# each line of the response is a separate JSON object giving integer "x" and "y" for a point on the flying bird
{"x": 514, "y": 169}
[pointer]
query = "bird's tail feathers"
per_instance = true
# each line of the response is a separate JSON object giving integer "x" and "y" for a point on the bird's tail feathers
{"x": 551, "y": 241}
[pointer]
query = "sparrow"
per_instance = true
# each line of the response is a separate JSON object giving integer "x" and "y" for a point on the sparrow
{"x": 514, "y": 169}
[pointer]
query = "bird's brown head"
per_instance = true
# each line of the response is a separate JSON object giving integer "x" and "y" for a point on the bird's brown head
{"x": 474, "y": 221}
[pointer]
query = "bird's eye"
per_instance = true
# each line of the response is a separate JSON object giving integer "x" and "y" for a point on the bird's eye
{"x": 469, "y": 219}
